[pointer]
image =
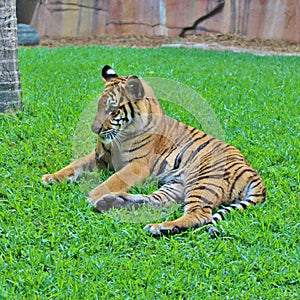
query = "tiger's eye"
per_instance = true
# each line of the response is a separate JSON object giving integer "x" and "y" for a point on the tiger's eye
{"x": 114, "y": 113}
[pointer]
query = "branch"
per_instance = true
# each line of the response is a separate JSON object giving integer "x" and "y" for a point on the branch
{"x": 216, "y": 9}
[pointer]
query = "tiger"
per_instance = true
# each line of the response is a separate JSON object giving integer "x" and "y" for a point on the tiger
{"x": 137, "y": 140}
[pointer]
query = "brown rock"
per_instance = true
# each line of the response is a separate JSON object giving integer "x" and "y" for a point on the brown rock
{"x": 79, "y": 18}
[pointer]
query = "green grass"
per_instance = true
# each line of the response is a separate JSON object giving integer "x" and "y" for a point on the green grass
{"x": 54, "y": 246}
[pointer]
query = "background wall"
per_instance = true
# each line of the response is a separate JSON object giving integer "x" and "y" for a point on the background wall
{"x": 269, "y": 19}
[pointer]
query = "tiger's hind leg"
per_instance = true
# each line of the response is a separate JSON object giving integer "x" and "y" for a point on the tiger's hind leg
{"x": 198, "y": 212}
{"x": 192, "y": 218}
{"x": 200, "y": 203}
{"x": 167, "y": 194}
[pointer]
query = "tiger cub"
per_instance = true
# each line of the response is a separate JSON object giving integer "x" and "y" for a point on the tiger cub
{"x": 137, "y": 140}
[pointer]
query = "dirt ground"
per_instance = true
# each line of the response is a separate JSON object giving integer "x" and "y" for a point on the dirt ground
{"x": 231, "y": 42}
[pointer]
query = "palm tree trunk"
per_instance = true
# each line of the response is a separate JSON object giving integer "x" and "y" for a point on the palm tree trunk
{"x": 10, "y": 87}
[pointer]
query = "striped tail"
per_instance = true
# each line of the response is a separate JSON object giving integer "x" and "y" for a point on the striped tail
{"x": 221, "y": 213}
{"x": 255, "y": 193}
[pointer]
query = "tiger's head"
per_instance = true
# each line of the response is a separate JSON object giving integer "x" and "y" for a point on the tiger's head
{"x": 121, "y": 104}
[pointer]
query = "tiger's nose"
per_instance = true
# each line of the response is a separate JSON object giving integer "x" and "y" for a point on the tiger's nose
{"x": 96, "y": 128}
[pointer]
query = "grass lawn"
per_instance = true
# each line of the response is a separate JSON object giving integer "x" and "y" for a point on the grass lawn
{"x": 54, "y": 246}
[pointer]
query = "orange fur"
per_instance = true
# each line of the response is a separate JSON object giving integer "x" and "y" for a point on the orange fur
{"x": 138, "y": 140}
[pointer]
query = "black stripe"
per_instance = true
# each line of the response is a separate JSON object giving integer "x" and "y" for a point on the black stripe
{"x": 243, "y": 205}
{"x": 193, "y": 209}
{"x": 146, "y": 138}
{"x": 125, "y": 112}
{"x": 163, "y": 193}
{"x": 167, "y": 194}
{"x": 226, "y": 209}
{"x": 202, "y": 188}
{"x": 214, "y": 176}
{"x": 136, "y": 148}
{"x": 255, "y": 195}
{"x": 249, "y": 201}
{"x": 202, "y": 146}
{"x": 217, "y": 187}
{"x": 194, "y": 131}
{"x": 170, "y": 151}
{"x": 195, "y": 180}
{"x": 233, "y": 206}
{"x": 139, "y": 157}
{"x": 207, "y": 207}
{"x": 221, "y": 145}
{"x": 131, "y": 109}
{"x": 201, "y": 198}
{"x": 188, "y": 202}
{"x": 257, "y": 183}
{"x": 220, "y": 165}
{"x": 194, "y": 134}
{"x": 163, "y": 162}
{"x": 156, "y": 197}
{"x": 179, "y": 156}
{"x": 188, "y": 136}
{"x": 170, "y": 191}
{"x": 148, "y": 127}
{"x": 237, "y": 178}
{"x": 121, "y": 100}
{"x": 162, "y": 167}
{"x": 210, "y": 168}
{"x": 220, "y": 214}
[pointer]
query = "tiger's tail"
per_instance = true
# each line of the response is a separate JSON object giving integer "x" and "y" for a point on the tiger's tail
{"x": 255, "y": 193}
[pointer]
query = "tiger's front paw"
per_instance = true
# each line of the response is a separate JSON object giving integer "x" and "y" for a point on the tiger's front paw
{"x": 50, "y": 178}
{"x": 109, "y": 201}
{"x": 118, "y": 200}
{"x": 162, "y": 228}
{"x": 60, "y": 176}
{"x": 53, "y": 178}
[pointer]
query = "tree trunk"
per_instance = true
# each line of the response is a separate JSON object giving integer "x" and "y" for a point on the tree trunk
{"x": 10, "y": 87}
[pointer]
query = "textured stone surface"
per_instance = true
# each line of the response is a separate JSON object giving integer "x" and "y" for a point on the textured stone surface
{"x": 181, "y": 14}
{"x": 276, "y": 19}
{"x": 27, "y": 35}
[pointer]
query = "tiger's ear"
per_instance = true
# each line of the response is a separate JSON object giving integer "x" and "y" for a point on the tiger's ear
{"x": 134, "y": 88}
{"x": 108, "y": 73}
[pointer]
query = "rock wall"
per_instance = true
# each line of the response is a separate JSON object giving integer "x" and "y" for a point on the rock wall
{"x": 267, "y": 19}
{"x": 272, "y": 19}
